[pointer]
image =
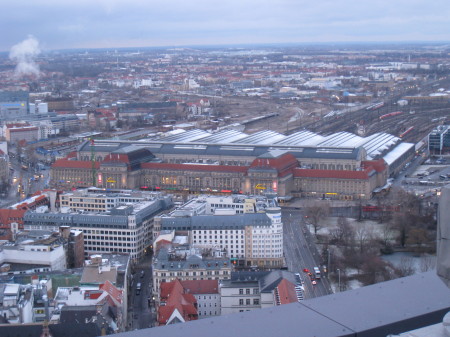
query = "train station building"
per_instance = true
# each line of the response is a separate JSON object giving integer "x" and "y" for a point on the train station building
{"x": 340, "y": 166}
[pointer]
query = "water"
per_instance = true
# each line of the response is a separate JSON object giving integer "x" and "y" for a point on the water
{"x": 419, "y": 263}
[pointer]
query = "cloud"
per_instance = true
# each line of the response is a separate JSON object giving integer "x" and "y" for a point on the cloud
{"x": 24, "y": 53}
{"x": 139, "y": 23}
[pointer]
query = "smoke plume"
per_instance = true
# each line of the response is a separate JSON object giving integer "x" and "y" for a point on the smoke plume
{"x": 24, "y": 53}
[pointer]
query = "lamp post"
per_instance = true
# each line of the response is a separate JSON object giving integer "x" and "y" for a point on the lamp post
{"x": 339, "y": 279}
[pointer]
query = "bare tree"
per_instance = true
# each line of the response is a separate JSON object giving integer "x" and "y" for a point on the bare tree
{"x": 315, "y": 212}
{"x": 343, "y": 233}
{"x": 388, "y": 235}
{"x": 374, "y": 270}
{"x": 418, "y": 239}
{"x": 406, "y": 267}
{"x": 427, "y": 263}
{"x": 363, "y": 235}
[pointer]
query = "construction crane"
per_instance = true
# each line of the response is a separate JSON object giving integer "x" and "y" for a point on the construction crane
{"x": 93, "y": 162}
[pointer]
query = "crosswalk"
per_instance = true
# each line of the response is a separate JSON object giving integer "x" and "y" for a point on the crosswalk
{"x": 299, "y": 289}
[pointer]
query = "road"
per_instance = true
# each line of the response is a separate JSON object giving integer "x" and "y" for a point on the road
{"x": 301, "y": 252}
{"x": 26, "y": 179}
{"x": 142, "y": 315}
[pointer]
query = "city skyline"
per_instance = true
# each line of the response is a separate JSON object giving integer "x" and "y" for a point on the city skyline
{"x": 137, "y": 23}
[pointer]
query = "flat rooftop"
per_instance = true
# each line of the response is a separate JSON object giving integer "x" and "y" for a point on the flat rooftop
{"x": 385, "y": 308}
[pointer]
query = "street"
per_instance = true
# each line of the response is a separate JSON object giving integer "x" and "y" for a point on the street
{"x": 141, "y": 314}
{"x": 301, "y": 252}
{"x": 24, "y": 182}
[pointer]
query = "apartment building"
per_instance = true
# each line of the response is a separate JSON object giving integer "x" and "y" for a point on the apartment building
{"x": 249, "y": 229}
{"x": 187, "y": 263}
{"x": 246, "y": 291}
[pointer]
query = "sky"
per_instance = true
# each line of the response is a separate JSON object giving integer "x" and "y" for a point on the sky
{"x": 67, "y": 24}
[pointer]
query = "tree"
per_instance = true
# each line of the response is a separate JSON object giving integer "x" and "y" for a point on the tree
{"x": 427, "y": 263}
{"x": 418, "y": 238}
{"x": 407, "y": 215}
{"x": 343, "y": 233}
{"x": 362, "y": 236}
{"x": 406, "y": 267}
{"x": 315, "y": 212}
{"x": 375, "y": 270}
{"x": 388, "y": 235}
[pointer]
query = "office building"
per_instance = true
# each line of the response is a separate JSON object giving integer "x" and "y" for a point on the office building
{"x": 439, "y": 140}
{"x": 120, "y": 226}
{"x": 249, "y": 229}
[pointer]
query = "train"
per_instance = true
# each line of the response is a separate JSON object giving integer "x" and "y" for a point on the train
{"x": 408, "y": 130}
{"x": 391, "y": 114}
{"x": 375, "y": 106}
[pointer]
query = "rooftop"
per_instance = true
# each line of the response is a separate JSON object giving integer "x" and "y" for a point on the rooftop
{"x": 386, "y": 308}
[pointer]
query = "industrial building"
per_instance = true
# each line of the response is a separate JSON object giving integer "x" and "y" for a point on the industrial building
{"x": 14, "y": 104}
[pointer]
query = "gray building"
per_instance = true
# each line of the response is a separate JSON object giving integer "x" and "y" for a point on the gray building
{"x": 184, "y": 263}
{"x": 123, "y": 229}
{"x": 439, "y": 139}
{"x": 14, "y": 104}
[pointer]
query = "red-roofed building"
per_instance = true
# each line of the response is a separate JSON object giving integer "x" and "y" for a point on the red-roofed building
{"x": 285, "y": 293}
{"x": 11, "y": 221}
{"x": 340, "y": 184}
{"x": 304, "y": 172}
{"x": 247, "y": 291}
{"x": 175, "y": 304}
{"x": 15, "y": 133}
{"x": 207, "y": 295}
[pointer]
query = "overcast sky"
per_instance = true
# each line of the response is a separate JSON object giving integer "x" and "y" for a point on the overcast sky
{"x": 60, "y": 24}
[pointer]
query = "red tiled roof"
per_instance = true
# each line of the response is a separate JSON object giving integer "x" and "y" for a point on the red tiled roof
{"x": 379, "y": 165}
{"x": 75, "y": 164}
{"x": 175, "y": 298}
{"x": 336, "y": 174}
{"x": 284, "y": 164}
{"x": 112, "y": 290}
{"x": 117, "y": 157}
{"x": 194, "y": 167}
{"x": 201, "y": 286}
{"x": 7, "y": 214}
{"x": 286, "y": 291}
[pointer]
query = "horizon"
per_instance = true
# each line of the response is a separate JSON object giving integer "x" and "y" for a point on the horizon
{"x": 249, "y": 46}
{"x": 103, "y": 24}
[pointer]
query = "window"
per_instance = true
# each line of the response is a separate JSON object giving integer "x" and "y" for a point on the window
{"x": 241, "y": 291}
{"x": 241, "y": 301}
{"x": 256, "y": 301}
{"x": 247, "y": 301}
{"x": 247, "y": 291}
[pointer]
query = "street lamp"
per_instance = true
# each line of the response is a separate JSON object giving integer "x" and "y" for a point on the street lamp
{"x": 339, "y": 279}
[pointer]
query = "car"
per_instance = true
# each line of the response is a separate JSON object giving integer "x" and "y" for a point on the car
{"x": 306, "y": 270}
{"x": 142, "y": 273}
{"x": 314, "y": 282}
